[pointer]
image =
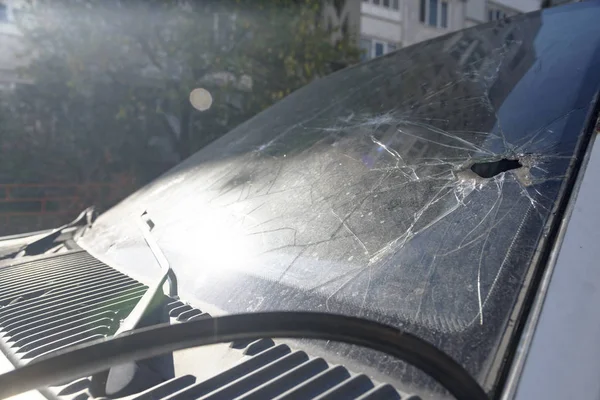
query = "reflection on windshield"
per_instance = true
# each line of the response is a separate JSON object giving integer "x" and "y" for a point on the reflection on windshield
{"x": 98, "y": 98}
{"x": 366, "y": 193}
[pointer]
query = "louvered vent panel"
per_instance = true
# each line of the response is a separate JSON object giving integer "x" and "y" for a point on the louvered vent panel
{"x": 274, "y": 371}
{"x": 54, "y": 302}
{"x": 58, "y": 301}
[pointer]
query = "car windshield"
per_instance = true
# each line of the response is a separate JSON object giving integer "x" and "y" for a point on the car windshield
{"x": 407, "y": 162}
{"x": 417, "y": 189}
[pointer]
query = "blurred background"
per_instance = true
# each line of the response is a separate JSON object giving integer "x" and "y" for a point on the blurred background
{"x": 98, "y": 97}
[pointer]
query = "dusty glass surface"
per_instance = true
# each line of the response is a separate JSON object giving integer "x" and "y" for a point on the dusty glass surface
{"x": 359, "y": 194}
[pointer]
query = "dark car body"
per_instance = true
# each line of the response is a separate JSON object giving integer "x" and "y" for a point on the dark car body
{"x": 356, "y": 194}
{"x": 423, "y": 189}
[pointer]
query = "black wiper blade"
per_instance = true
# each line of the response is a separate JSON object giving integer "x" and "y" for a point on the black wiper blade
{"x": 41, "y": 245}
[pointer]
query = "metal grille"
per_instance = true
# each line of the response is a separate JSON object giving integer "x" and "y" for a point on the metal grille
{"x": 71, "y": 298}
{"x": 278, "y": 372}
{"x": 269, "y": 371}
{"x": 50, "y": 303}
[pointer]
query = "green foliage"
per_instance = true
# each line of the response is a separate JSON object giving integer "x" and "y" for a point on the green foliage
{"x": 111, "y": 79}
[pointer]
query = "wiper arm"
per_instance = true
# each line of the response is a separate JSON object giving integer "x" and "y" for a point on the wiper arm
{"x": 146, "y": 227}
{"x": 120, "y": 377}
{"x": 154, "y": 291}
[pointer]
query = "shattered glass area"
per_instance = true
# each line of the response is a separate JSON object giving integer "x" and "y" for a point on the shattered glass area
{"x": 357, "y": 195}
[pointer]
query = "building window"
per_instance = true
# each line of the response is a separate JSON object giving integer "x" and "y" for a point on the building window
{"x": 374, "y": 48}
{"x": 434, "y": 13}
{"x": 495, "y": 14}
{"x": 444, "y": 16}
{"x": 393, "y": 4}
{"x": 433, "y": 8}
{"x": 3, "y": 13}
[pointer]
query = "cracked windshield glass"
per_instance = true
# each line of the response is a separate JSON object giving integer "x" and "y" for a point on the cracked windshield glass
{"x": 366, "y": 158}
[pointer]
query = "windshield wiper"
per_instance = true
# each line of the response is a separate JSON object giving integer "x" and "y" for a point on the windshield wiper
{"x": 155, "y": 291}
{"x": 79, "y": 361}
{"x": 121, "y": 377}
{"x": 44, "y": 243}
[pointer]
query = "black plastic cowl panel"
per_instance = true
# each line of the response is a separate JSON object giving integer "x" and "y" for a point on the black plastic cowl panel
{"x": 61, "y": 300}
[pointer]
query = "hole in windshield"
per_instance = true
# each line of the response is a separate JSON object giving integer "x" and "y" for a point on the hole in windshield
{"x": 490, "y": 169}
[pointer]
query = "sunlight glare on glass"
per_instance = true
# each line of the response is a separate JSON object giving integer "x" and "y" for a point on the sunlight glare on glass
{"x": 201, "y": 99}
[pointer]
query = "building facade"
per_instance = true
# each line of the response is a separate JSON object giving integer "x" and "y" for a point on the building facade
{"x": 380, "y": 26}
{"x": 386, "y": 25}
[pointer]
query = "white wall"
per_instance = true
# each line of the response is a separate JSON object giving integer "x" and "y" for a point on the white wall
{"x": 389, "y": 31}
{"x": 381, "y": 22}
{"x": 519, "y": 5}
{"x": 476, "y": 10}
{"x": 414, "y": 31}
{"x": 380, "y": 12}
